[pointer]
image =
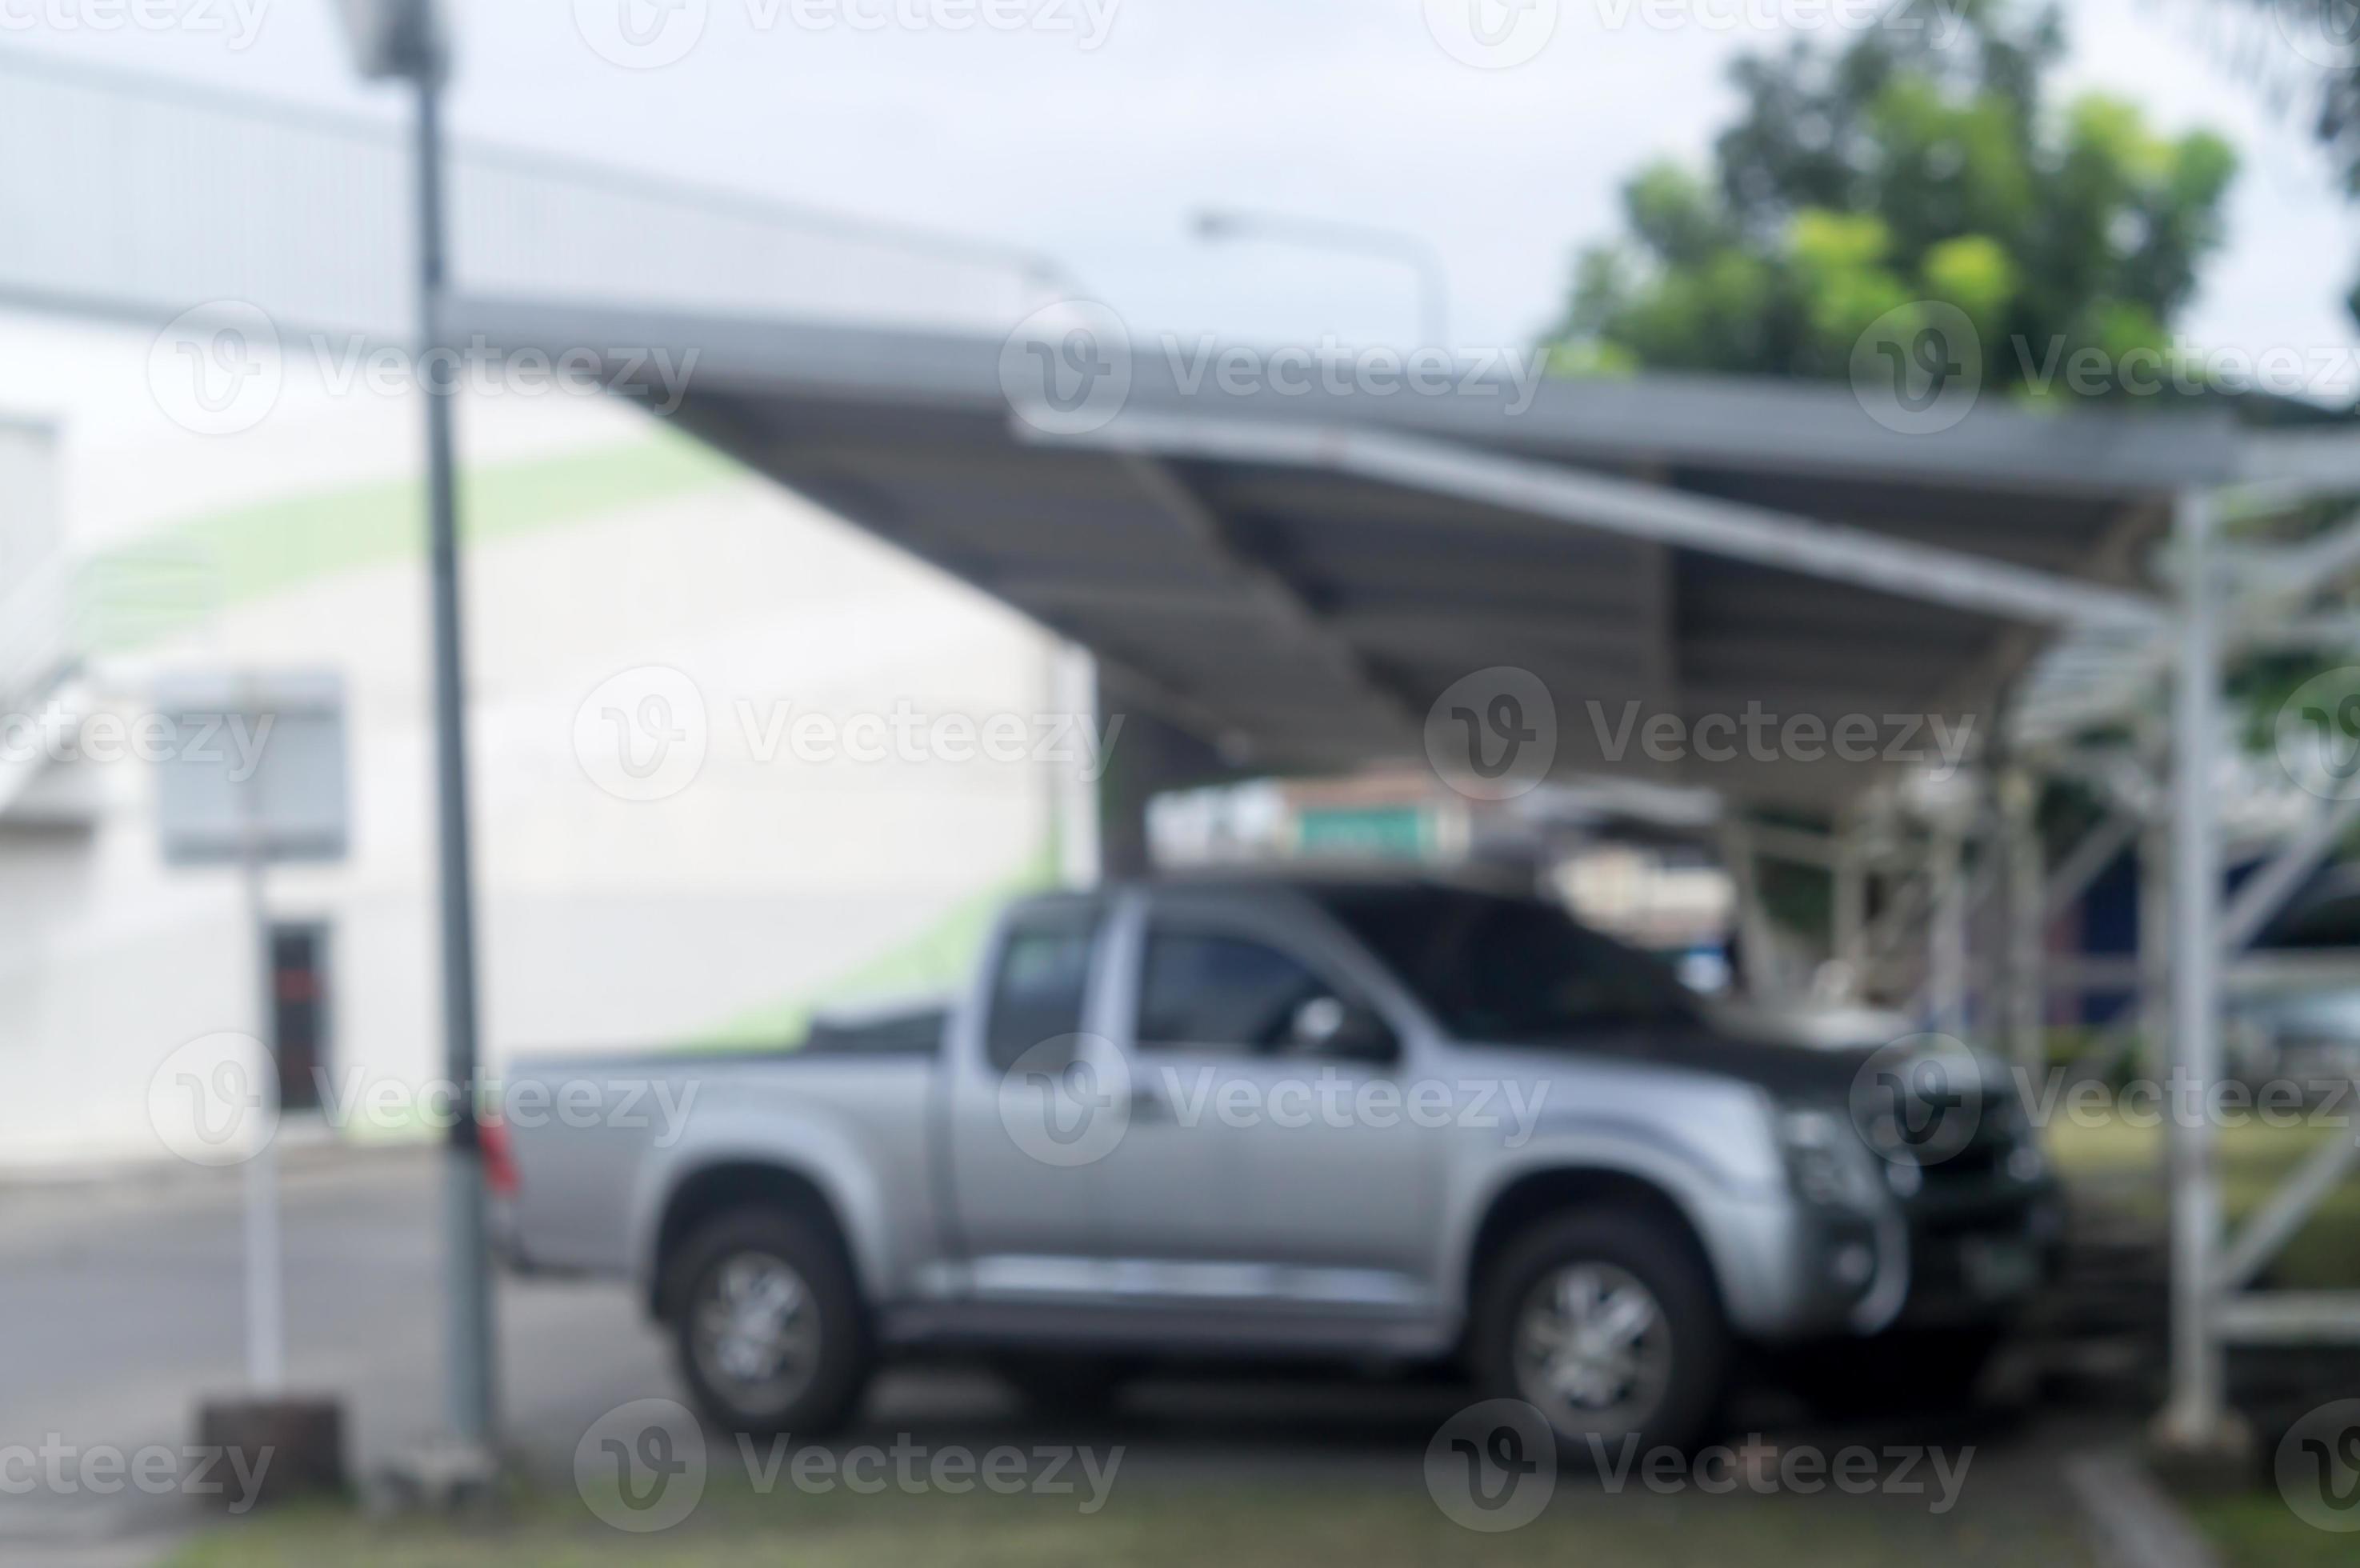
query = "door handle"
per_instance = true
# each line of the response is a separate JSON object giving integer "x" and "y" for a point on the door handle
{"x": 1147, "y": 1106}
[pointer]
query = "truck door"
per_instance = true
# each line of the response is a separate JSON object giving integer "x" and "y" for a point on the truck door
{"x": 1023, "y": 1100}
{"x": 1251, "y": 1172}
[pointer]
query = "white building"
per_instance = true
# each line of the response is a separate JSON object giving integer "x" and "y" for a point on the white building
{"x": 609, "y": 558}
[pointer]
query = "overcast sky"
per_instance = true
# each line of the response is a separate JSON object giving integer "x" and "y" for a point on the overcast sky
{"x": 1349, "y": 109}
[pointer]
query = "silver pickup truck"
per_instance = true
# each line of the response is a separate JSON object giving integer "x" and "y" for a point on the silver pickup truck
{"x": 1374, "y": 1122}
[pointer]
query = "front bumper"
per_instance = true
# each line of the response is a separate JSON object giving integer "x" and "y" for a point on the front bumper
{"x": 1978, "y": 1257}
{"x": 1955, "y": 1254}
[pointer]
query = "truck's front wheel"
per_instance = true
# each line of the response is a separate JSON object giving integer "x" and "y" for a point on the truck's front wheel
{"x": 1608, "y": 1327}
{"x": 765, "y": 1324}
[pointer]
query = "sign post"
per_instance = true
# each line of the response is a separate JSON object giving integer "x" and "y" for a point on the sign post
{"x": 260, "y": 775}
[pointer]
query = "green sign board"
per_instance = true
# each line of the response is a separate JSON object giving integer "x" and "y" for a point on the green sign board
{"x": 1378, "y": 833}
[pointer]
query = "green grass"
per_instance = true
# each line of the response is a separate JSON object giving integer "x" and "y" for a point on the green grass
{"x": 2258, "y": 1530}
{"x": 936, "y": 960}
{"x": 2114, "y": 1161}
{"x": 273, "y": 546}
{"x": 1249, "y": 1525}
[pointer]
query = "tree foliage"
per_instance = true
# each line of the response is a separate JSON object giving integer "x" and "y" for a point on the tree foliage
{"x": 1922, "y": 161}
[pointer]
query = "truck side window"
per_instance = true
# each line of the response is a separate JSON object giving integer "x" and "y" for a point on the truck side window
{"x": 1045, "y": 972}
{"x": 1227, "y": 992}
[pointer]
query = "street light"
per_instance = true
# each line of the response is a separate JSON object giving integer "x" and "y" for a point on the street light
{"x": 1216, "y": 225}
{"x": 409, "y": 40}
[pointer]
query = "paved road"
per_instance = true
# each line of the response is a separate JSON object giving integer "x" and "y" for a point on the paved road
{"x": 123, "y": 1306}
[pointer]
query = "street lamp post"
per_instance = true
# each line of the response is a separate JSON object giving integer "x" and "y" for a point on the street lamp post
{"x": 407, "y": 41}
{"x": 1216, "y": 224}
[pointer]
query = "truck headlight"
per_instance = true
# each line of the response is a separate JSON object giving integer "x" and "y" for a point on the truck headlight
{"x": 1826, "y": 1160}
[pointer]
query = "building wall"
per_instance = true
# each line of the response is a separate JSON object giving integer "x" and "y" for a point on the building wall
{"x": 717, "y": 912}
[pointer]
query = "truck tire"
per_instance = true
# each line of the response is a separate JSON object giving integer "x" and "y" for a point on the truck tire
{"x": 767, "y": 1323}
{"x": 1608, "y": 1327}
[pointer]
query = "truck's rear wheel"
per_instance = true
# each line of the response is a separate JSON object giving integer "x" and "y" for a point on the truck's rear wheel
{"x": 767, "y": 1323}
{"x": 1608, "y": 1327}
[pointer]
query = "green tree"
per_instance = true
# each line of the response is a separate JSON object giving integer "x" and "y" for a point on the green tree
{"x": 1921, "y": 162}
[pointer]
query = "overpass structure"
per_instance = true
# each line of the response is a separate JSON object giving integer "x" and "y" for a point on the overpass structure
{"x": 1307, "y": 577}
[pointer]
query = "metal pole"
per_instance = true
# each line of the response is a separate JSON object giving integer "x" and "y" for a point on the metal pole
{"x": 2193, "y": 1419}
{"x": 1945, "y": 982}
{"x": 1759, "y": 972}
{"x": 266, "y": 1313}
{"x": 1848, "y": 904}
{"x": 2155, "y": 948}
{"x": 2027, "y": 928}
{"x": 468, "y": 1285}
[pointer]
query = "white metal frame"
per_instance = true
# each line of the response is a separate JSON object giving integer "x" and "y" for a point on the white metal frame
{"x": 2209, "y": 1307}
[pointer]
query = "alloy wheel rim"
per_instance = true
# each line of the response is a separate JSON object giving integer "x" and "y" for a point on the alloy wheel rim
{"x": 756, "y": 1332}
{"x": 1593, "y": 1349}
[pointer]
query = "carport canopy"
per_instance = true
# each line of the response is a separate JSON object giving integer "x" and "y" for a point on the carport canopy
{"x": 1296, "y": 573}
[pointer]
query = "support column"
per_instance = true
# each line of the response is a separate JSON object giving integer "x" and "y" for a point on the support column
{"x": 2026, "y": 922}
{"x": 2196, "y": 1422}
{"x": 1758, "y": 970}
{"x": 1847, "y": 905}
{"x": 1946, "y": 935}
{"x": 1147, "y": 756}
{"x": 2153, "y": 1002}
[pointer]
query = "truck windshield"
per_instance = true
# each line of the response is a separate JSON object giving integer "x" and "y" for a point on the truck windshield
{"x": 1491, "y": 967}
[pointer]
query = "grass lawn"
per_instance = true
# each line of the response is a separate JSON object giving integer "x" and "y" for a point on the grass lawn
{"x": 2258, "y": 1530}
{"x": 1249, "y": 1525}
{"x": 2114, "y": 1161}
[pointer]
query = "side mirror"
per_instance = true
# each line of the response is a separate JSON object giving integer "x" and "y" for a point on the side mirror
{"x": 1352, "y": 1031}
